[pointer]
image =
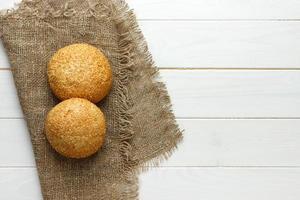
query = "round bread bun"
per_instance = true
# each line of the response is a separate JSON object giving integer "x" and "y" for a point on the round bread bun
{"x": 80, "y": 70}
{"x": 75, "y": 128}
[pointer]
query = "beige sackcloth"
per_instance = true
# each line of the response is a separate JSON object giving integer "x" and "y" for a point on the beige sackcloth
{"x": 141, "y": 128}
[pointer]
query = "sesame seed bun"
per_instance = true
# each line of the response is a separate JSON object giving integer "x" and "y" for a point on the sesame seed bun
{"x": 80, "y": 70}
{"x": 75, "y": 128}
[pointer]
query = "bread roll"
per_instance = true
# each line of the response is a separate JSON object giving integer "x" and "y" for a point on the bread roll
{"x": 80, "y": 70}
{"x": 75, "y": 128}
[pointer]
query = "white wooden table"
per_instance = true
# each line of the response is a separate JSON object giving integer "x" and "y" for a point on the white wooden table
{"x": 232, "y": 68}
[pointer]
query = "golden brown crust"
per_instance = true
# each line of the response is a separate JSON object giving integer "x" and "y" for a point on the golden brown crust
{"x": 75, "y": 128}
{"x": 80, "y": 70}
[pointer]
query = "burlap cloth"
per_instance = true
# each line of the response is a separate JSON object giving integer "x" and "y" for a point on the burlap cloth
{"x": 141, "y": 129}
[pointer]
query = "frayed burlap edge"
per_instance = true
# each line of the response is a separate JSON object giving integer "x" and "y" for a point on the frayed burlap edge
{"x": 133, "y": 35}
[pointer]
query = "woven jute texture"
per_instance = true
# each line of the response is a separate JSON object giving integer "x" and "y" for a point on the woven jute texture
{"x": 141, "y": 129}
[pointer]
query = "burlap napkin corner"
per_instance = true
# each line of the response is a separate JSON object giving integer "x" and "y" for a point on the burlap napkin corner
{"x": 142, "y": 130}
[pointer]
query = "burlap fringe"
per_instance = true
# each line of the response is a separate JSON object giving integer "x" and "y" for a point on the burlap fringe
{"x": 133, "y": 35}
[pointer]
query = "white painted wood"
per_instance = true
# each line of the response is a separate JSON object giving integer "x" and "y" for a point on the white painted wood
{"x": 227, "y": 44}
{"x": 209, "y": 93}
{"x": 203, "y": 9}
{"x": 8, "y": 4}
{"x": 221, "y": 183}
{"x": 3, "y": 57}
{"x": 206, "y": 143}
{"x": 182, "y": 183}
{"x": 238, "y": 143}
{"x": 15, "y": 144}
{"x": 9, "y": 102}
{"x": 220, "y": 44}
{"x": 216, "y": 9}
{"x": 19, "y": 184}
{"x": 234, "y": 93}
{"x": 5, "y": 4}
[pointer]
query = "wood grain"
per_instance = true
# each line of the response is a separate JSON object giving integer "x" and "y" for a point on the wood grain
{"x": 8, "y": 4}
{"x": 224, "y": 44}
{"x": 15, "y": 145}
{"x": 9, "y": 102}
{"x": 238, "y": 143}
{"x": 203, "y": 9}
{"x": 216, "y": 9}
{"x": 181, "y": 183}
{"x": 19, "y": 184}
{"x": 4, "y": 63}
{"x": 209, "y": 93}
{"x": 220, "y": 44}
{"x": 206, "y": 143}
{"x": 221, "y": 183}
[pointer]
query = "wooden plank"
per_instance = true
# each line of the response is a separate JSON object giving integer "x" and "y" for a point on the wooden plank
{"x": 209, "y": 93}
{"x": 234, "y": 93}
{"x": 9, "y": 102}
{"x": 15, "y": 144}
{"x": 3, "y": 57}
{"x": 227, "y": 44}
{"x": 238, "y": 143}
{"x": 220, "y": 44}
{"x": 8, "y": 4}
{"x": 182, "y": 183}
{"x": 216, "y": 9}
{"x": 221, "y": 183}
{"x": 19, "y": 184}
{"x": 206, "y": 143}
{"x": 202, "y": 9}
